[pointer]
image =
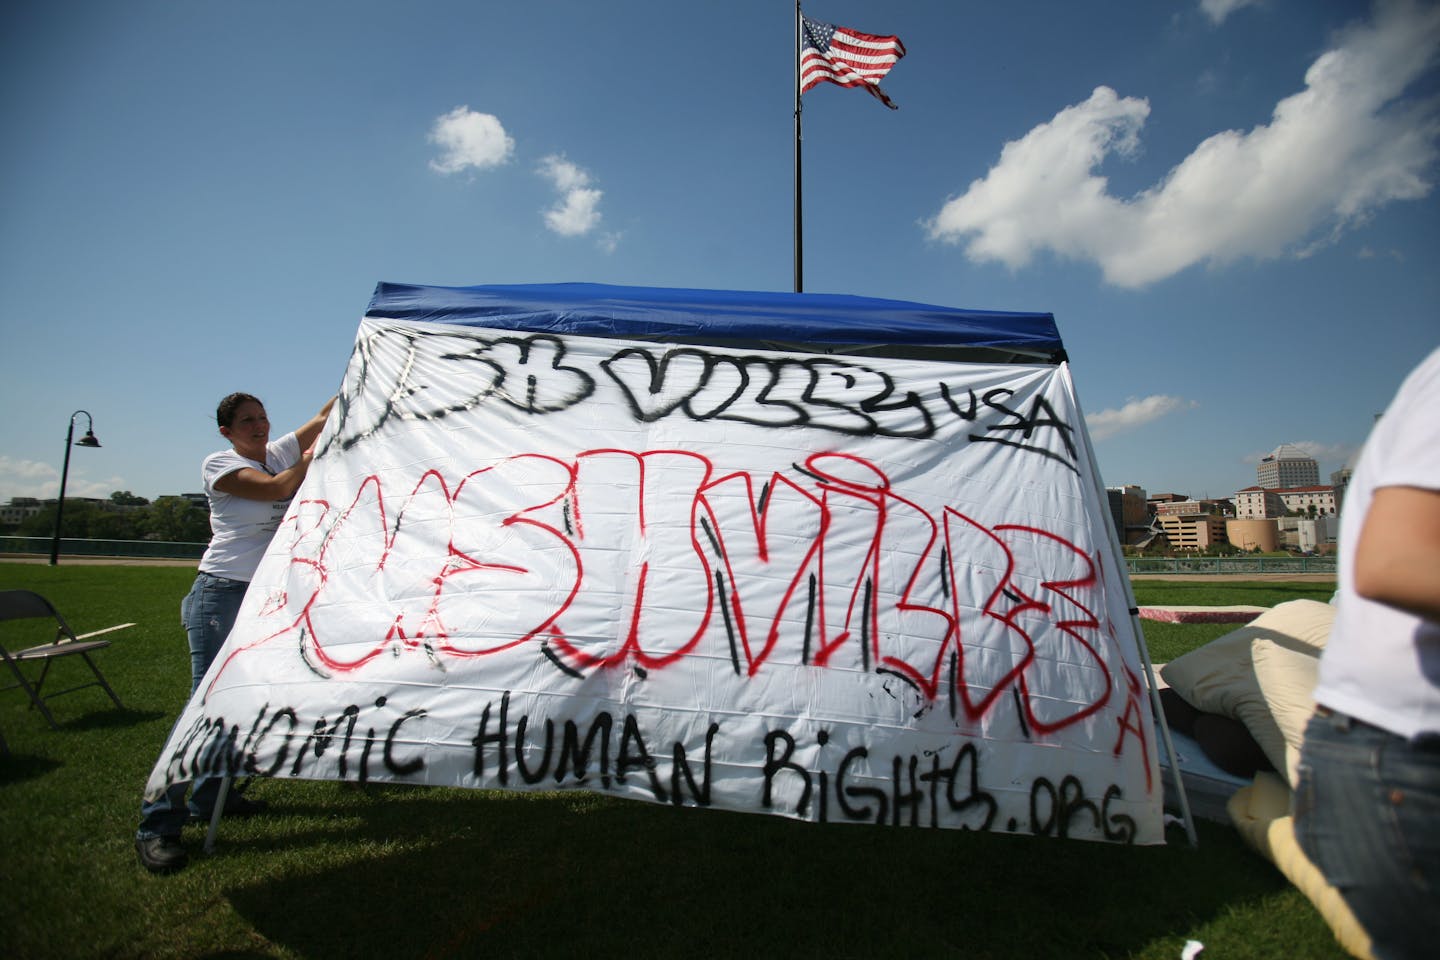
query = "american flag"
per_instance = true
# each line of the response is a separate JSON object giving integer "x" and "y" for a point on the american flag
{"x": 831, "y": 54}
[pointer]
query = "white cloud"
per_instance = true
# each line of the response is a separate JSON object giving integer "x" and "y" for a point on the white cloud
{"x": 1327, "y": 452}
{"x": 28, "y": 478}
{"x": 1331, "y": 155}
{"x": 32, "y": 478}
{"x": 1321, "y": 453}
{"x": 1137, "y": 412}
{"x": 577, "y": 212}
{"x": 565, "y": 175}
{"x": 469, "y": 139}
{"x": 80, "y": 486}
{"x": 1218, "y": 10}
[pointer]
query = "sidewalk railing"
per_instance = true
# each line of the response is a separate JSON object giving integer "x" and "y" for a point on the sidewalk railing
{"x": 1231, "y": 565}
{"x": 76, "y": 547}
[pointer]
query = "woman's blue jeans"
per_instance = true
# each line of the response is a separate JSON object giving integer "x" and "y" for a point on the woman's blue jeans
{"x": 208, "y": 612}
{"x": 1367, "y": 813}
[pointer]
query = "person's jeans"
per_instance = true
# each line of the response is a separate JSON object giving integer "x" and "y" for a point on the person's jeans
{"x": 208, "y": 612}
{"x": 1367, "y": 813}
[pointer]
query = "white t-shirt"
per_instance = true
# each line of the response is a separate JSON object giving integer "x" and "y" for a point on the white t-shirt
{"x": 241, "y": 529}
{"x": 1382, "y": 665}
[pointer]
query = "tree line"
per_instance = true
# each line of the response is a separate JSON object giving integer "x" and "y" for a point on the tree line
{"x": 127, "y": 517}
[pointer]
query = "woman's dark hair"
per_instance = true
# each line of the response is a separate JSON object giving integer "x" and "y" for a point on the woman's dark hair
{"x": 225, "y": 413}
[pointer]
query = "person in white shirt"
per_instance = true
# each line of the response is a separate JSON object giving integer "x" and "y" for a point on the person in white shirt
{"x": 249, "y": 487}
{"x": 1367, "y": 804}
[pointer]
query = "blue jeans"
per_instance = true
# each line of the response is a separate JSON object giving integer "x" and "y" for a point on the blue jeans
{"x": 208, "y": 612}
{"x": 1367, "y": 813}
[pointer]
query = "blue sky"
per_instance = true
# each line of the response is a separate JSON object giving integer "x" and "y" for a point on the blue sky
{"x": 1229, "y": 206}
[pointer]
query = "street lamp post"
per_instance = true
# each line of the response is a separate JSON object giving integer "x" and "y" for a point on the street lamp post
{"x": 86, "y": 441}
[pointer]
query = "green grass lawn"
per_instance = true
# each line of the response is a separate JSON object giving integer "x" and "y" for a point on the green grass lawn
{"x": 336, "y": 871}
{"x": 1166, "y": 641}
{"x": 1220, "y": 593}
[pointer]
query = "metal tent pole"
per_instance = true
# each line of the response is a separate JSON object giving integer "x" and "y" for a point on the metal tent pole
{"x": 1117, "y": 557}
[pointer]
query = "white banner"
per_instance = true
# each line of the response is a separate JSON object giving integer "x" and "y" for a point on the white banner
{"x": 828, "y": 588}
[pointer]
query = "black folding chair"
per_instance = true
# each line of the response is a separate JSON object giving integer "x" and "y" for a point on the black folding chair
{"x": 26, "y": 605}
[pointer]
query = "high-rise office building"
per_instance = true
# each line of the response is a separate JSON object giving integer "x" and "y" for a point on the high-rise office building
{"x": 1287, "y": 466}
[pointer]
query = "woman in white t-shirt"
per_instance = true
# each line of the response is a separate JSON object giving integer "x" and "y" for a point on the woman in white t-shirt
{"x": 1367, "y": 804}
{"x": 249, "y": 487}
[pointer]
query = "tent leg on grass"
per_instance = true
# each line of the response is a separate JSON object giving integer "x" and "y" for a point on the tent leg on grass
{"x": 216, "y": 815}
{"x": 1164, "y": 727}
{"x": 1117, "y": 556}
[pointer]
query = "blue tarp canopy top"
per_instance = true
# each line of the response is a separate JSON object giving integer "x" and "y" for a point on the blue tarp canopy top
{"x": 826, "y": 323}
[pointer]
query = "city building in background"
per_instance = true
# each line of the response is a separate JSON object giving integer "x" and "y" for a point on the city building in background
{"x": 1340, "y": 479}
{"x": 1181, "y": 508}
{"x": 1193, "y": 532}
{"x": 19, "y": 509}
{"x": 1129, "y": 513}
{"x": 1249, "y": 535}
{"x": 1308, "y": 534}
{"x": 1254, "y": 503}
{"x": 1287, "y": 466}
{"x": 1257, "y": 503}
{"x": 1310, "y": 500}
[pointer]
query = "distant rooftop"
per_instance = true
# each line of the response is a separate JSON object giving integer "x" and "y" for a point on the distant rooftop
{"x": 1286, "y": 451}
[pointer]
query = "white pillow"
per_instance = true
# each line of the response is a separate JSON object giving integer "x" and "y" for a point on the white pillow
{"x": 1287, "y": 675}
{"x": 1220, "y": 677}
{"x": 1308, "y": 621}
